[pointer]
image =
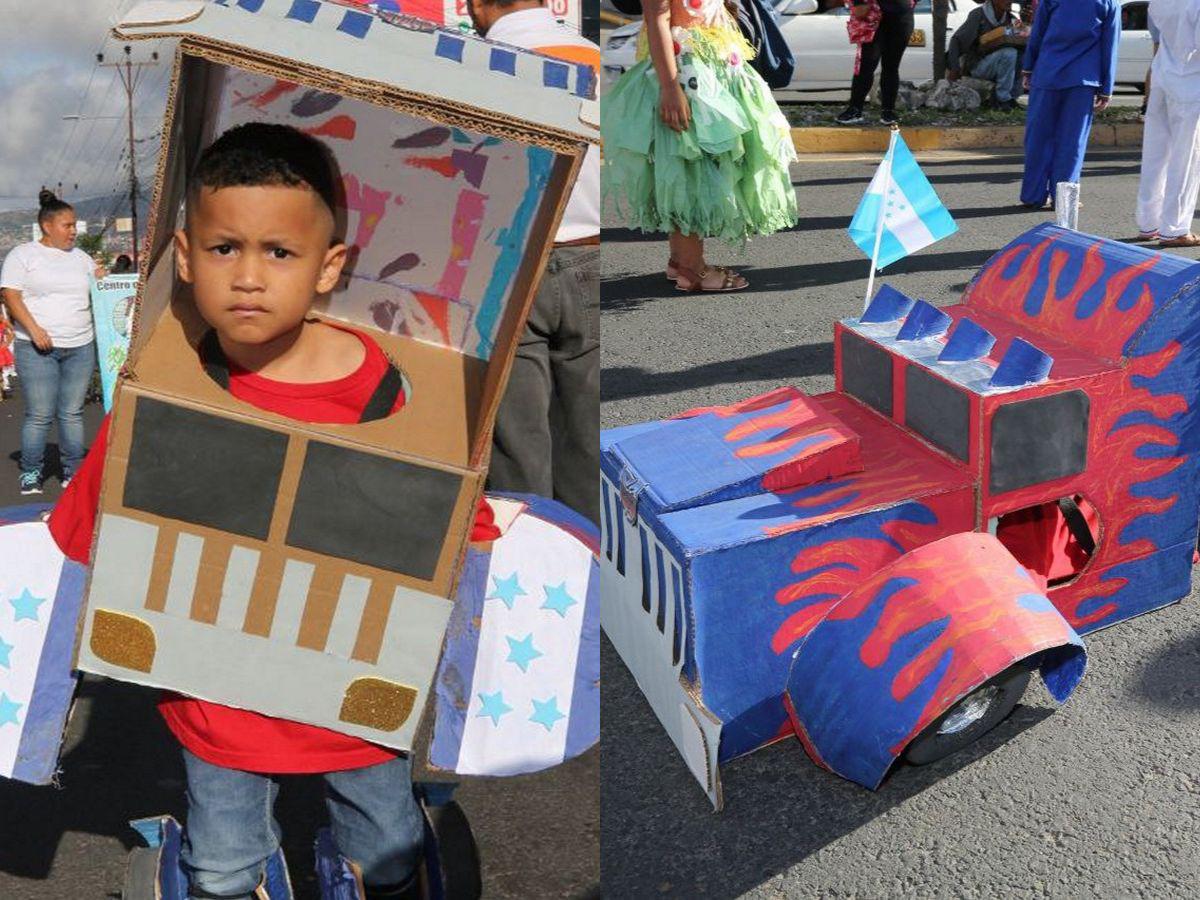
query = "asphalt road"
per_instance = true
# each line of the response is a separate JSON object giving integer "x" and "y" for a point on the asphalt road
{"x": 1098, "y": 798}
{"x": 538, "y": 835}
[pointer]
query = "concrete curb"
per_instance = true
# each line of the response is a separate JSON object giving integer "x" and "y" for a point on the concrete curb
{"x": 835, "y": 139}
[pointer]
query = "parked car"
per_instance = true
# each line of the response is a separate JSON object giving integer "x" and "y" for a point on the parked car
{"x": 877, "y": 570}
{"x": 825, "y": 56}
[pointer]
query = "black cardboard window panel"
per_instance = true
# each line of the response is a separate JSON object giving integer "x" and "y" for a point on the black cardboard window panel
{"x": 203, "y": 469}
{"x": 373, "y": 510}
{"x": 1039, "y": 440}
{"x": 867, "y": 372}
{"x": 937, "y": 411}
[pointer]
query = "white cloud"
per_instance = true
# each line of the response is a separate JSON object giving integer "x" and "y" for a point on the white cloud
{"x": 47, "y": 71}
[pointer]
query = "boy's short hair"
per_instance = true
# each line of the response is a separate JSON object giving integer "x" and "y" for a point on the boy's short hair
{"x": 260, "y": 154}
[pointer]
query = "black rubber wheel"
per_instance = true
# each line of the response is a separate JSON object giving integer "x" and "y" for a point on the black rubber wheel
{"x": 971, "y": 718}
{"x": 457, "y": 852}
{"x": 141, "y": 871}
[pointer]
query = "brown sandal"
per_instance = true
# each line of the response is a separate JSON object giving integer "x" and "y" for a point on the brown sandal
{"x": 671, "y": 264}
{"x": 1184, "y": 240}
{"x": 730, "y": 281}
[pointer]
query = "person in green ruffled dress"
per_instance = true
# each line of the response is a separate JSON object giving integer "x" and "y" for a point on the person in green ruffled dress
{"x": 694, "y": 143}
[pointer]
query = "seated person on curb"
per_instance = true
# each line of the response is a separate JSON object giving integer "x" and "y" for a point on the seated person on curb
{"x": 964, "y": 55}
{"x": 258, "y": 247}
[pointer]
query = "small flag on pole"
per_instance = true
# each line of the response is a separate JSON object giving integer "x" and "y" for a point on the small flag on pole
{"x": 900, "y": 213}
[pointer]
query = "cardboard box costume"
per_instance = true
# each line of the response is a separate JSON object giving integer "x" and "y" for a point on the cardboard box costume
{"x": 877, "y": 599}
{"x": 306, "y": 571}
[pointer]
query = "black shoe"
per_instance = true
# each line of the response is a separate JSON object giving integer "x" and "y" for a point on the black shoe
{"x": 1006, "y": 105}
{"x": 888, "y": 117}
{"x": 852, "y": 116}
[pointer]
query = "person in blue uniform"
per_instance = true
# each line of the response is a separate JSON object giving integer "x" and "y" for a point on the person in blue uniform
{"x": 1070, "y": 64}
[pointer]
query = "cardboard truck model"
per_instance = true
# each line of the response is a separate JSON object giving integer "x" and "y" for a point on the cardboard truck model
{"x": 867, "y": 569}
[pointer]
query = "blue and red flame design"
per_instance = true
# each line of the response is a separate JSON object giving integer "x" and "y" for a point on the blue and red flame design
{"x": 912, "y": 640}
{"x": 1116, "y": 302}
{"x": 786, "y": 436}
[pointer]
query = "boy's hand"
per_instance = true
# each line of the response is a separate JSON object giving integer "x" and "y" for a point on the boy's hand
{"x": 41, "y": 338}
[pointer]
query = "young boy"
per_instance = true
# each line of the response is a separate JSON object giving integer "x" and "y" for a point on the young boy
{"x": 258, "y": 248}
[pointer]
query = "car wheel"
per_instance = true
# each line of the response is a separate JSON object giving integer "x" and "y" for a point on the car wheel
{"x": 970, "y": 718}
{"x": 458, "y": 855}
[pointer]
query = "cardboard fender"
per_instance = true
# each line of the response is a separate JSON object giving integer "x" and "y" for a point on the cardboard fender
{"x": 906, "y": 645}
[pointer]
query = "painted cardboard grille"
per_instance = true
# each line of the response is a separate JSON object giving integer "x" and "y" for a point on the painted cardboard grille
{"x": 304, "y": 571}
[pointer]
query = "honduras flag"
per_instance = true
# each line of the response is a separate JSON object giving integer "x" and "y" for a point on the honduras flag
{"x": 518, "y": 685}
{"x": 41, "y": 594}
{"x": 913, "y": 216}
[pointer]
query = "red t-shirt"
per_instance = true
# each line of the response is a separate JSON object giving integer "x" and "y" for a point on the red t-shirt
{"x": 236, "y": 738}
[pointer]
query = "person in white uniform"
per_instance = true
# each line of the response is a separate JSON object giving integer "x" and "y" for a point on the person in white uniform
{"x": 1170, "y": 178}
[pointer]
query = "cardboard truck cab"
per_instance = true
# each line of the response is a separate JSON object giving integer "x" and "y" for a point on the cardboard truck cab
{"x": 306, "y": 571}
{"x": 821, "y": 547}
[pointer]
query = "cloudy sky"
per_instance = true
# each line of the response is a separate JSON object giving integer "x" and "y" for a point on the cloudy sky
{"x": 48, "y": 70}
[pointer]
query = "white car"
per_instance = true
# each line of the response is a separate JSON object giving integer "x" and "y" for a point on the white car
{"x": 825, "y": 56}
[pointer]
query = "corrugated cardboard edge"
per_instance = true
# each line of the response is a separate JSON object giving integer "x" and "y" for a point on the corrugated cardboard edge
{"x": 426, "y": 106}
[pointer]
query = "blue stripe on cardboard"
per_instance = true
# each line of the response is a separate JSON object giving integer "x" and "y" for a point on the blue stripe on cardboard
{"x": 503, "y": 61}
{"x": 511, "y": 241}
{"x": 355, "y": 23}
{"x": 250, "y": 5}
{"x": 660, "y": 615}
{"x": 449, "y": 47}
{"x": 303, "y": 10}
{"x": 456, "y": 671}
{"x": 585, "y": 81}
{"x": 677, "y": 638}
{"x": 583, "y": 726}
{"x": 46, "y": 714}
{"x": 608, "y": 524}
{"x": 27, "y": 512}
{"x": 555, "y": 74}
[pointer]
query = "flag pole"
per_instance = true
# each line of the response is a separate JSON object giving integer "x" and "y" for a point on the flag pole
{"x": 887, "y": 184}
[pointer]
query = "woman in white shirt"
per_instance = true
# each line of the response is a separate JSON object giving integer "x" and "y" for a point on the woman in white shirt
{"x": 46, "y": 289}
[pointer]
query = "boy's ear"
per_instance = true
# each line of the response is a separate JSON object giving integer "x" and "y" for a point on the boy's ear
{"x": 182, "y": 264}
{"x": 331, "y": 268}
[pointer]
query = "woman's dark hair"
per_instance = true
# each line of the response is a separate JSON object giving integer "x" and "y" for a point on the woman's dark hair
{"x": 50, "y": 206}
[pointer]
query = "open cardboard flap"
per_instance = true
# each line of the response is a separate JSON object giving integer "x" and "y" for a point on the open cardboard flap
{"x": 307, "y": 571}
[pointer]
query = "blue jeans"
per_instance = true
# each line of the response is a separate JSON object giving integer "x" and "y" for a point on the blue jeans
{"x": 54, "y": 384}
{"x": 231, "y": 828}
{"x": 1000, "y": 66}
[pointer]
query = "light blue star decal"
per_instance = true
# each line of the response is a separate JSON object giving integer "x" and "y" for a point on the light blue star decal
{"x": 506, "y": 590}
{"x": 5, "y": 649}
{"x": 558, "y": 599}
{"x": 545, "y": 712}
{"x": 522, "y": 652}
{"x": 8, "y": 710}
{"x": 493, "y": 707}
{"x": 26, "y": 606}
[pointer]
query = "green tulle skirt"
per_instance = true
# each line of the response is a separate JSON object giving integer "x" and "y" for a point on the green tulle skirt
{"x": 726, "y": 176}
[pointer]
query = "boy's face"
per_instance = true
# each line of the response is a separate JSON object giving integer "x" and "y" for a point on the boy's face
{"x": 257, "y": 257}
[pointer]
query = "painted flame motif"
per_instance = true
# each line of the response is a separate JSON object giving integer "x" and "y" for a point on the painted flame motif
{"x": 791, "y": 433}
{"x": 984, "y": 627}
{"x": 937, "y": 619}
{"x": 1072, "y": 315}
{"x": 828, "y": 572}
{"x": 1130, "y": 419}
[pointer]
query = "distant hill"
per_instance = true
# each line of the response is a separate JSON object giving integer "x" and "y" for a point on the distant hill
{"x": 15, "y": 224}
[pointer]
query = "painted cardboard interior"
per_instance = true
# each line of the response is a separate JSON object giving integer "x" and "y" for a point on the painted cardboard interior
{"x": 307, "y": 571}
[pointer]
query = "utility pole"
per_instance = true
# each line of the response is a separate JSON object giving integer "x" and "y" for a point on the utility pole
{"x": 129, "y": 79}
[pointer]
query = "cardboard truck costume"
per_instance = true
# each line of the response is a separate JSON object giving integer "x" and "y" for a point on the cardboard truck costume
{"x": 847, "y": 568}
{"x": 309, "y": 571}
